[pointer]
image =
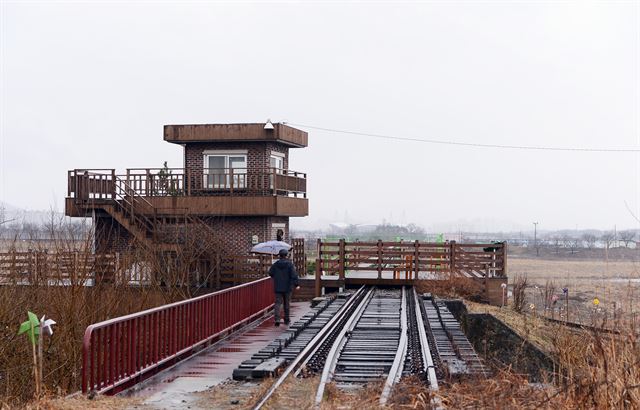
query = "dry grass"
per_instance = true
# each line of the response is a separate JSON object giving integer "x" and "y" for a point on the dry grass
{"x": 586, "y": 279}
{"x": 453, "y": 287}
{"x": 615, "y": 284}
{"x": 73, "y": 307}
{"x": 594, "y": 369}
{"x": 81, "y": 402}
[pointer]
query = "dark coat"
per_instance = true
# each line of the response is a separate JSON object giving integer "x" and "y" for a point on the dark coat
{"x": 284, "y": 275}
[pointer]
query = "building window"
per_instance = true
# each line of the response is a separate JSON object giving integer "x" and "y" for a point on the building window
{"x": 277, "y": 162}
{"x": 224, "y": 170}
{"x": 276, "y": 166}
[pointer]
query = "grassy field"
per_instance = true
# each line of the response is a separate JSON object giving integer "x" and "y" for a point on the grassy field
{"x": 616, "y": 284}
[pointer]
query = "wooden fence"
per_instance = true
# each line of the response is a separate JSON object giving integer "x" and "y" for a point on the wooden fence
{"x": 412, "y": 258}
{"x": 298, "y": 256}
{"x": 238, "y": 269}
{"x": 55, "y": 268}
{"x": 84, "y": 268}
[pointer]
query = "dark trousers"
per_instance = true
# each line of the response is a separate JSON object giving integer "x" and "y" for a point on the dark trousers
{"x": 282, "y": 298}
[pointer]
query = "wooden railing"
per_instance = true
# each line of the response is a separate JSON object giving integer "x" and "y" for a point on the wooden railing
{"x": 156, "y": 181}
{"x": 450, "y": 258}
{"x": 91, "y": 184}
{"x": 102, "y": 184}
{"x": 87, "y": 269}
{"x": 237, "y": 269}
{"x": 55, "y": 268}
{"x": 251, "y": 181}
{"x": 298, "y": 256}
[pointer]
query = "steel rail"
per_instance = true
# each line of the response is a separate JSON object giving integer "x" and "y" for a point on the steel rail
{"x": 424, "y": 345}
{"x": 334, "y": 353}
{"x": 312, "y": 347}
{"x": 398, "y": 364}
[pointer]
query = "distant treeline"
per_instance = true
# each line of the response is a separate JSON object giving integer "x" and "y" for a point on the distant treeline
{"x": 561, "y": 239}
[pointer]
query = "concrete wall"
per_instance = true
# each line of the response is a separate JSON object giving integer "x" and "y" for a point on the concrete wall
{"x": 498, "y": 343}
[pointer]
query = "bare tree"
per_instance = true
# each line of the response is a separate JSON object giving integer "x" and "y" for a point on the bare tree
{"x": 627, "y": 237}
{"x": 547, "y": 293}
{"x": 3, "y": 215}
{"x": 519, "y": 293}
{"x": 607, "y": 238}
{"x": 542, "y": 243}
{"x": 589, "y": 240}
{"x": 574, "y": 244}
{"x": 557, "y": 242}
{"x": 415, "y": 229}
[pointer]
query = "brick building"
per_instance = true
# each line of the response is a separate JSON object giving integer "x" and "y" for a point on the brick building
{"x": 235, "y": 189}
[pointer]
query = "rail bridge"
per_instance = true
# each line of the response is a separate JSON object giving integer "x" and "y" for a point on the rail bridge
{"x": 378, "y": 327}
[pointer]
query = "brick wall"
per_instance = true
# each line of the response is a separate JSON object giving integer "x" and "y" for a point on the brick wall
{"x": 235, "y": 233}
{"x": 258, "y": 154}
{"x": 110, "y": 236}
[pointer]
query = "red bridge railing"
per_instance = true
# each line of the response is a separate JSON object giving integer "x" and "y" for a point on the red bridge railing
{"x": 120, "y": 352}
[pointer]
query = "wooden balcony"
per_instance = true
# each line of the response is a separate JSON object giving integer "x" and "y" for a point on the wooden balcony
{"x": 220, "y": 192}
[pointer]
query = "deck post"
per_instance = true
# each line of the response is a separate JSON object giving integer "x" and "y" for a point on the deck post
{"x": 149, "y": 191}
{"x": 504, "y": 259}
{"x": 113, "y": 184}
{"x": 416, "y": 254}
{"x": 341, "y": 260}
{"x": 186, "y": 182}
{"x": 275, "y": 181}
{"x": 319, "y": 269}
{"x": 379, "y": 259}
{"x": 452, "y": 258}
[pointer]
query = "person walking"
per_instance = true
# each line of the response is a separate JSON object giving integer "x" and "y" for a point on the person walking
{"x": 285, "y": 278}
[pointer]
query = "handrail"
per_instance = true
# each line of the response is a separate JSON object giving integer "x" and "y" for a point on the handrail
{"x": 183, "y": 170}
{"x": 85, "y": 184}
{"x": 471, "y": 260}
{"x": 122, "y": 190}
{"x": 123, "y": 350}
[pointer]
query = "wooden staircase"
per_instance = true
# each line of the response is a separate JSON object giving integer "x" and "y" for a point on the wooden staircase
{"x": 161, "y": 235}
{"x": 143, "y": 236}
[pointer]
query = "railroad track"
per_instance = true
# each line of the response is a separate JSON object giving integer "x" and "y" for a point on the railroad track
{"x": 371, "y": 345}
{"x": 382, "y": 334}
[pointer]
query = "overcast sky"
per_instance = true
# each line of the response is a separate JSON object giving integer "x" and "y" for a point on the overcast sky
{"x": 91, "y": 85}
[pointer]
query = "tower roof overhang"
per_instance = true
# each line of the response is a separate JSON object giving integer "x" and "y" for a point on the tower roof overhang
{"x": 188, "y": 133}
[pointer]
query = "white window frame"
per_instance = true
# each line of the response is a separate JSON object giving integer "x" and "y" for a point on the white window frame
{"x": 238, "y": 180}
{"x": 278, "y": 155}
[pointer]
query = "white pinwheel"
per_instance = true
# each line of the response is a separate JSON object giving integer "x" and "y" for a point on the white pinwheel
{"x": 45, "y": 326}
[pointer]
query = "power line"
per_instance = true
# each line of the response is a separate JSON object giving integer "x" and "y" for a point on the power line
{"x": 465, "y": 144}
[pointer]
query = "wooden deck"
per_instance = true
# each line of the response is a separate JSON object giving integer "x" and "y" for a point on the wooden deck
{"x": 220, "y": 192}
{"x": 343, "y": 264}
